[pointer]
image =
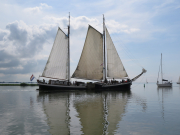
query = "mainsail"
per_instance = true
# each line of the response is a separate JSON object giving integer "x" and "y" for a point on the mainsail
{"x": 90, "y": 65}
{"x": 57, "y": 64}
{"x": 115, "y": 68}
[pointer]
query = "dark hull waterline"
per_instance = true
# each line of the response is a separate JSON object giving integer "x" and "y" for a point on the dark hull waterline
{"x": 118, "y": 86}
{"x": 54, "y": 88}
{"x": 97, "y": 86}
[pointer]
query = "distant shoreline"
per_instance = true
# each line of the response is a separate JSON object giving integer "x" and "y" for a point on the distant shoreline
{"x": 18, "y": 84}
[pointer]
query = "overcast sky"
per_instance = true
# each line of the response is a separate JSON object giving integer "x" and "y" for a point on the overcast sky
{"x": 140, "y": 29}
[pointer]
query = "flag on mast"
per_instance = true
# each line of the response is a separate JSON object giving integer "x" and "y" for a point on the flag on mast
{"x": 32, "y": 77}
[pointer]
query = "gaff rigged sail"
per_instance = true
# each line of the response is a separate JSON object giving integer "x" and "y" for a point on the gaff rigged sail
{"x": 57, "y": 64}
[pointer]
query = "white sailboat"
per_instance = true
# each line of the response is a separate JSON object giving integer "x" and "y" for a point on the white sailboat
{"x": 92, "y": 64}
{"x": 178, "y": 80}
{"x": 98, "y": 50}
{"x": 164, "y": 83}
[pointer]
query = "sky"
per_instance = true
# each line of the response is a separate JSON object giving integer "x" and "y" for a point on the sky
{"x": 140, "y": 29}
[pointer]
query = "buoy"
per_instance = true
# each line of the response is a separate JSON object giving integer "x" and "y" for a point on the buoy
{"x": 144, "y": 85}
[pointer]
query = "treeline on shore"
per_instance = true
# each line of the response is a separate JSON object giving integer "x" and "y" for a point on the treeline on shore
{"x": 18, "y": 84}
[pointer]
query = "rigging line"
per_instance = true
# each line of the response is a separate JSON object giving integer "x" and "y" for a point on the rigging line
{"x": 139, "y": 82}
{"x": 128, "y": 55}
{"x": 99, "y": 24}
{"x": 131, "y": 57}
{"x": 126, "y": 50}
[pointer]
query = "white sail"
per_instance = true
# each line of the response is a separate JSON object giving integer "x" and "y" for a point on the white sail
{"x": 115, "y": 68}
{"x": 90, "y": 65}
{"x": 56, "y": 66}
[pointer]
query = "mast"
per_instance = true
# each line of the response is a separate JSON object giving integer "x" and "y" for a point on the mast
{"x": 161, "y": 69}
{"x": 104, "y": 68}
{"x": 69, "y": 50}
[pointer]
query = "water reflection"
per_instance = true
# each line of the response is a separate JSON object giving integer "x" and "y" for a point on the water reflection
{"x": 139, "y": 111}
{"x": 163, "y": 92}
{"x": 56, "y": 108}
{"x": 98, "y": 113}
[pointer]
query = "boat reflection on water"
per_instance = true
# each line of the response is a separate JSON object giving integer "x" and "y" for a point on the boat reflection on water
{"x": 56, "y": 108}
{"x": 163, "y": 92}
{"x": 98, "y": 113}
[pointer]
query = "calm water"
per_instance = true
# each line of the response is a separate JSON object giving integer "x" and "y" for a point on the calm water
{"x": 141, "y": 111}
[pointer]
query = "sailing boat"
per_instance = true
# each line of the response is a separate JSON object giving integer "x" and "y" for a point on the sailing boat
{"x": 178, "y": 81}
{"x": 99, "y": 49}
{"x": 164, "y": 83}
{"x": 146, "y": 81}
{"x": 58, "y": 66}
{"x": 91, "y": 66}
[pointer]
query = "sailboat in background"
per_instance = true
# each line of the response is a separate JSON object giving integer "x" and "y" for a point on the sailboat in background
{"x": 164, "y": 83}
{"x": 146, "y": 81}
{"x": 98, "y": 50}
{"x": 178, "y": 80}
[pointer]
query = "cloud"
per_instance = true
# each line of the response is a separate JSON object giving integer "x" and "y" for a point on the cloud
{"x": 25, "y": 48}
{"x": 37, "y": 9}
{"x": 20, "y": 46}
{"x": 2, "y": 34}
{"x": 17, "y": 33}
{"x": 29, "y": 42}
{"x": 115, "y": 27}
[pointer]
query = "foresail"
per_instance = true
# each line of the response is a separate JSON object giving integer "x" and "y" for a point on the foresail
{"x": 56, "y": 66}
{"x": 115, "y": 68}
{"x": 90, "y": 65}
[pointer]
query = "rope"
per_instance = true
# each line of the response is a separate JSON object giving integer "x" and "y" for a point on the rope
{"x": 98, "y": 24}
{"x": 126, "y": 51}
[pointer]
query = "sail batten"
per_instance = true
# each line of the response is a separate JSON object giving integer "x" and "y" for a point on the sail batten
{"x": 57, "y": 64}
{"x": 90, "y": 65}
{"x": 115, "y": 68}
